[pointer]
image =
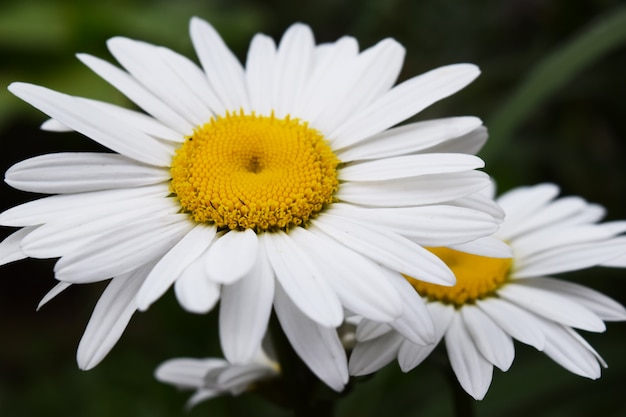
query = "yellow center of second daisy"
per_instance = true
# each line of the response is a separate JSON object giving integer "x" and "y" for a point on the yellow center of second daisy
{"x": 244, "y": 171}
{"x": 477, "y": 277}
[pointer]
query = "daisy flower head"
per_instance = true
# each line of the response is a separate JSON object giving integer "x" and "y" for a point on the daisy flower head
{"x": 213, "y": 377}
{"x": 496, "y": 300}
{"x": 281, "y": 183}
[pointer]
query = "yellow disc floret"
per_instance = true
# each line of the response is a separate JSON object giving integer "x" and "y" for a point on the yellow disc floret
{"x": 477, "y": 277}
{"x": 244, "y": 171}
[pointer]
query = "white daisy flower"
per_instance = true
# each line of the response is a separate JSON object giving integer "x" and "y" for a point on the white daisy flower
{"x": 279, "y": 183}
{"x": 213, "y": 377}
{"x": 497, "y": 300}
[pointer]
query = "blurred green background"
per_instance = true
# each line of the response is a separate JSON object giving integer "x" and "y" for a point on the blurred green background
{"x": 552, "y": 93}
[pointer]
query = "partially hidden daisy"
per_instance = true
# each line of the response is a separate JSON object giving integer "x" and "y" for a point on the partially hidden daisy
{"x": 282, "y": 183}
{"x": 497, "y": 300}
{"x": 214, "y": 377}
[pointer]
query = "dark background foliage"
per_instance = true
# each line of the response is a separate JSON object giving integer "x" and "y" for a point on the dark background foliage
{"x": 572, "y": 131}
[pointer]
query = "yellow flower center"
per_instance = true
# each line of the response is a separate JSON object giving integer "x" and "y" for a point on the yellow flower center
{"x": 242, "y": 171}
{"x": 477, "y": 277}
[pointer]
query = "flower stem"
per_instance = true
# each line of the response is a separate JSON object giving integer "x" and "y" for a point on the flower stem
{"x": 463, "y": 403}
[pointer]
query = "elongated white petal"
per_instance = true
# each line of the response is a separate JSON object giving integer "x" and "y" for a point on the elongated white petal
{"x": 389, "y": 249}
{"x": 302, "y": 280}
{"x": 245, "y": 309}
{"x": 492, "y": 342}
{"x": 472, "y": 370}
{"x": 569, "y": 352}
{"x": 571, "y": 258}
{"x": 604, "y": 307}
{"x": 236, "y": 378}
{"x": 56, "y": 290}
{"x": 426, "y": 189}
{"x": 355, "y": 81}
{"x": 260, "y": 73}
{"x": 137, "y": 93}
{"x": 480, "y": 201}
{"x": 67, "y": 235}
{"x": 172, "y": 265}
{"x": 81, "y": 172}
{"x": 517, "y": 322}
{"x": 104, "y": 128}
{"x": 110, "y": 317}
{"x": 10, "y": 248}
{"x": 409, "y": 166}
{"x": 232, "y": 256}
{"x": 402, "y": 102}
{"x": 522, "y": 202}
{"x": 552, "y": 306}
{"x": 361, "y": 285}
{"x": 293, "y": 63}
{"x": 123, "y": 249}
{"x": 369, "y": 329}
{"x": 52, "y": 125}
{"x": 436, "y": 225}
{"x": 223, "y": 69}
{"x": 410, "y": 354}
{"x": 146, "y": 64}
{"x": 486, "y": 246}
{"x": 409, "y": 138}
{"x": 69, "y": 206}
{"x": 470, "y": 143}
{"x": 187, "y": 372}
{"x": 370, "y": 356}
{"x": 194, "y": 290}
{"x": 318, "y": 346}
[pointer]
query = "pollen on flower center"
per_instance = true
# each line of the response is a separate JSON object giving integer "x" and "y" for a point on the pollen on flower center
{"x": 477, "y": 277}
{"x": 244, "y": 171}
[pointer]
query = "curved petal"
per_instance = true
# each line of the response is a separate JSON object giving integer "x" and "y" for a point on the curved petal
{"x": 260, "y": 72}
{"x": 370, "y": 356}
{"x": 172, "y": 265}
{"x": 245, "y": 309}
{"x": 10, "y": 248}
{"x": 232, "y": 256}
{"x": 187, "y": 372}
{"x": 56, "y": 290}
{"x": 302, "y": 280}
{"x": 318, "y": 346}
{"x": 517, "y": 322}
{"x": 81, "y": 172}
{"x": 194, "y": 290}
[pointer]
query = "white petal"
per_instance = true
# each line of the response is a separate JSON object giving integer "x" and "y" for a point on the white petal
{"x": 402, "y": 102}
{"x": 81, "y": 172}
{"x": 486, "y": 246}
{"x": 301, "y": 280}
{"x": 10, "y": 249}
{"x": 260, "y": 72}
{"x": 415, "y": 322}
{"x": 426, "y": 189}
{"x": 370, "y": 356}
{"x": 123, "y": 249}
{"x": 409, "y": 138}
{"x": 70, "y": 206}
{"x": 436, "y": 225}
{"x": 137, "y": 93}
{"x": 187, "y": 372}
{"x": 552, "y": 306}
{"x": 52, "y": 125}
{"x": 104, "y": 128}
{"x": 149, "y": 66}
{"x": 318, "y": 346}
{"x": 172, "y": 265}
{"x": 569, "y": 352}
{"x": 361, "y": 285}
{"x": 232, "y": 256}
{"x": 387, "y": 248}
{"x": 69, "y": 234}
{"x": 293, "y": 63}
{"x": 470, "y": 143}
{"x": 571, "y": 258}
{"x": 492, "y": 342}
{"x": 245, "y": 309}
{"x": 604, "y": 307}
{"x": 409, "y": 166}
{"x": 56, "y": 290}
{"x": 472, "y": 370}
{"x": 480, "y": 201}
{"x": 221, "y": 66}
{"x": 368, "y": 330}
{"x": 194, "y": 290}
{"x": 110, "y": 317}
{"x": 517, "y": 322}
